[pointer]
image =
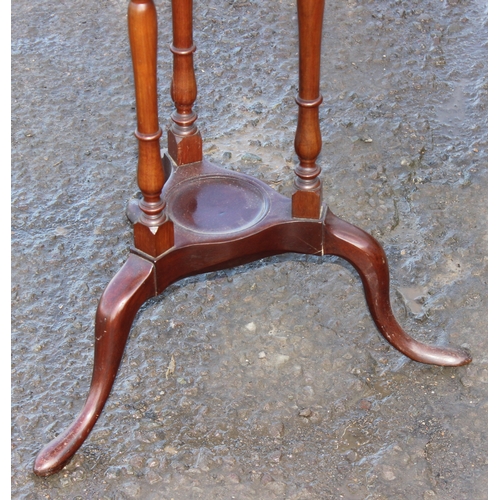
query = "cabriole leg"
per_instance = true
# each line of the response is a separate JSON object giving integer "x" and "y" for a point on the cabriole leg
{"x": 121, "y": 300}
{"x": 367, "y": 256}
{"x": 306, "y": 199}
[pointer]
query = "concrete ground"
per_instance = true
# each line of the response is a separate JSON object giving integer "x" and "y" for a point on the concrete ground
{"x": 283, "y": 388}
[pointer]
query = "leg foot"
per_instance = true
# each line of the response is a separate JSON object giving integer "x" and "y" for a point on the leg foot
{"x": 121, "y": 300}
{"x": 367, "y": 256}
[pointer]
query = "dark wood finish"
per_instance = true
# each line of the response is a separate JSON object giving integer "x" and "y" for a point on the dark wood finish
{"x": 306, "y": 200}
{"x": 184, "y": 139}
{"x": 221, "y": 218}
{"x": 369, "y": 259}
{"x": 121, "y": 300}
{"x": 153, "y": 232}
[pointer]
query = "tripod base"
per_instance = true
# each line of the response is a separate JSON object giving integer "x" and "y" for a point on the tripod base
{"x": 223, "y": 219}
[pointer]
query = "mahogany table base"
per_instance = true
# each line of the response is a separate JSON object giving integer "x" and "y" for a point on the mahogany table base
{"x": 195, "y": 217}
{"x": 224, "y": 219}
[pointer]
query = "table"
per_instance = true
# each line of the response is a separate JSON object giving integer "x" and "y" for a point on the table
{"x": 195, "y": 217}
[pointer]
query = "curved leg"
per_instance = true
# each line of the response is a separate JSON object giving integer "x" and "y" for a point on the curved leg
{"x": 121, "y": 300}
{"x": 368, "y": 257}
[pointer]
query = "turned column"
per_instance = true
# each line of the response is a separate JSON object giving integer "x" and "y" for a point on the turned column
{"x": 153, "y": 232}
{"x": 184, "y": 139}
{"x": 306, "y": 200}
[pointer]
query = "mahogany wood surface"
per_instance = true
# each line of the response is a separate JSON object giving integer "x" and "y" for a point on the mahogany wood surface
{"x": 369, "y": 259}
{"x": 196, "y": 217}
{"x": 306, "y": 200}
{"x": 153, "y": 233}
{"x": 121, "y": 300}
{"x": 184, "y": 139}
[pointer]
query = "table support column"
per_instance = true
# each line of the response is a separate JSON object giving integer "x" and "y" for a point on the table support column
{"x": 153, "y": 232}
{"x": 307, "y": 198}
{"x": 184, "y": 138}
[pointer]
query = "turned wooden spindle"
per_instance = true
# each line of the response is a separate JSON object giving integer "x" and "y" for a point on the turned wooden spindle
{"x": 153, "y": 232}
{"x": 184, "y": 139}
{"x": 306, "y": 200}
{"x": 223, "y": 218}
